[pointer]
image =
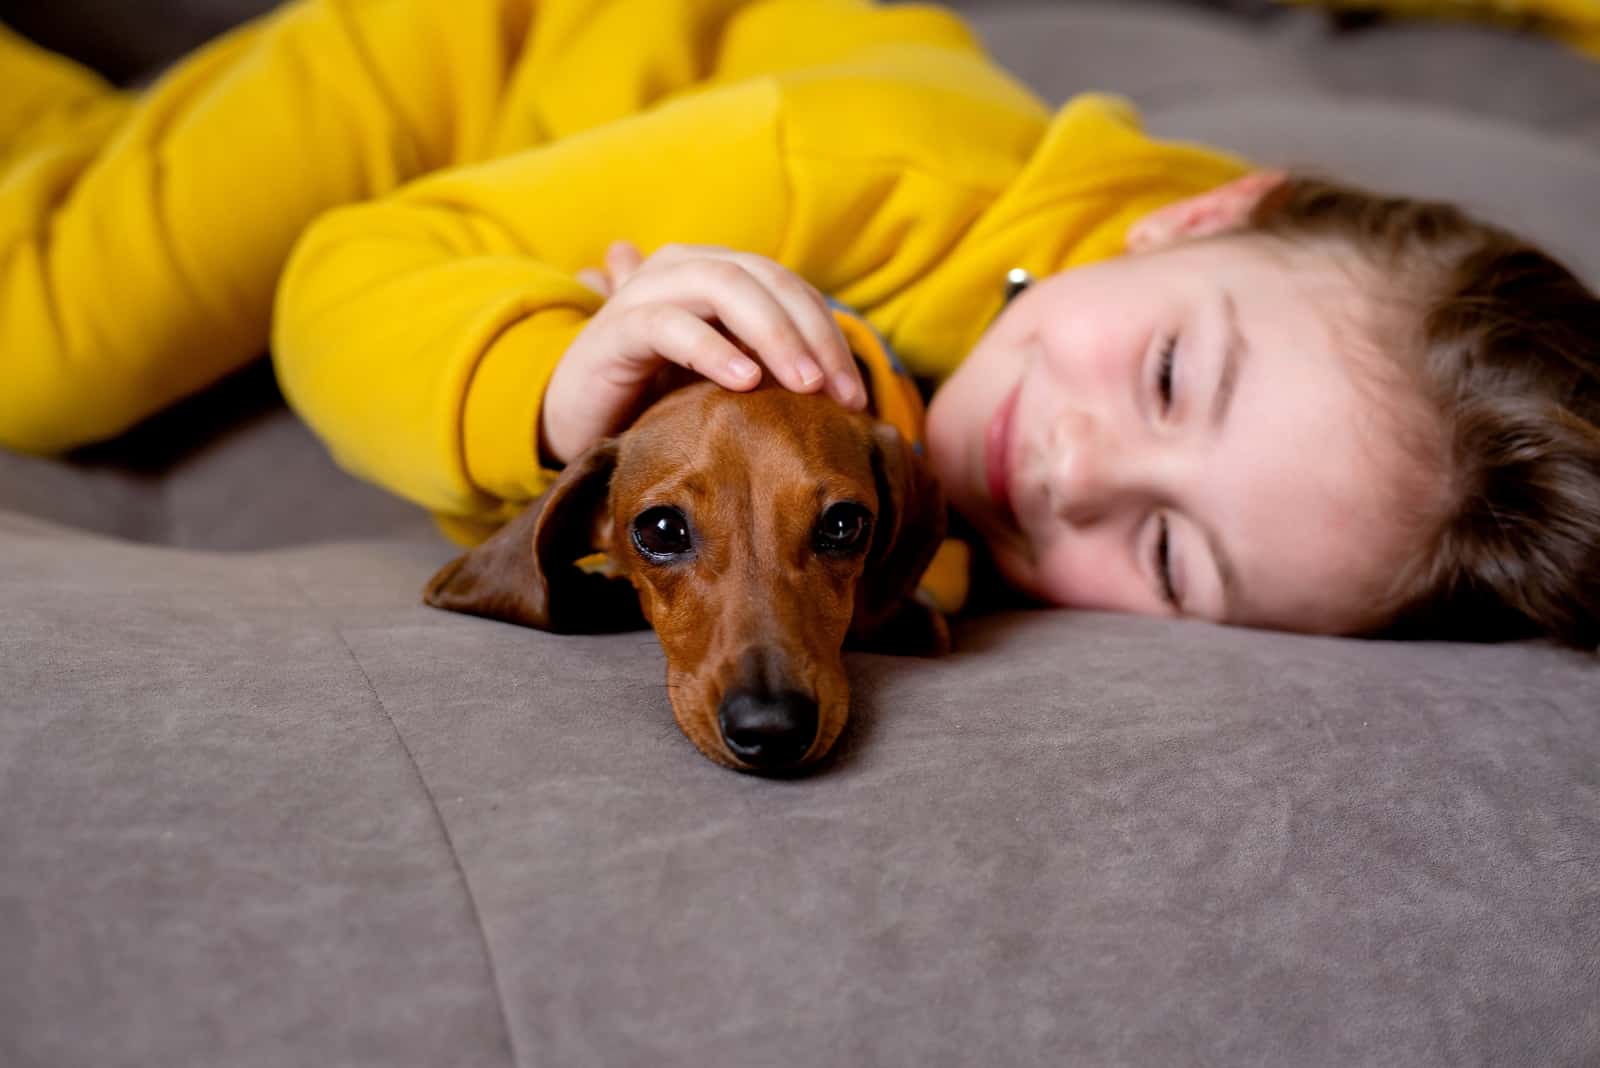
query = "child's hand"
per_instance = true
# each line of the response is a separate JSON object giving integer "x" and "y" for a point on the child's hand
{"x": 711, "y": 310}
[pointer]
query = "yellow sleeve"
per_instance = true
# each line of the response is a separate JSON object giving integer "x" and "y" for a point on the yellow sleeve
{"x": 142, "y": 235}
{"x": 416, "y": 334}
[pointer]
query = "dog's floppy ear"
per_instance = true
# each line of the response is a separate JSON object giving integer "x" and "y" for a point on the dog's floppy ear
{"x": 527, "y": 572}
{"x": 909, "y": 529}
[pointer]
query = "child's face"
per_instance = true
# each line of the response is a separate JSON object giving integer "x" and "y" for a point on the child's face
{"x": 1179, "y": 431}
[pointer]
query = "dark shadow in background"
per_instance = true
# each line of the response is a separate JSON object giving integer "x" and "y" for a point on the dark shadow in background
{"x": 126, "y": 39}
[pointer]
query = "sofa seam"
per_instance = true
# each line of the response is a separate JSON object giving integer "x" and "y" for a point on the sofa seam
{"x": 439, "y": 820}
{"x": 450, "y": 844}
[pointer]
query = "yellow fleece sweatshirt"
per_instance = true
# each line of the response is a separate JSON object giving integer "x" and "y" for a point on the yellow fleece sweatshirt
{"x": 442, "y": 169}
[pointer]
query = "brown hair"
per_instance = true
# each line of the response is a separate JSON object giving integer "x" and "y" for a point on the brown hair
{"x": 1504, "y": 347}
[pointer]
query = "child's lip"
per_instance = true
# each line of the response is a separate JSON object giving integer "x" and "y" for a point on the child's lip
{"x": 997, "y": 454}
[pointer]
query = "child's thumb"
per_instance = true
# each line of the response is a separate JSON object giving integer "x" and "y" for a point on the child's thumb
{"x": 622, "y": 259}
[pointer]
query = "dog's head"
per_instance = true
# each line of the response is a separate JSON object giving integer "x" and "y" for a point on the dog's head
{"x": 757, "y": 533}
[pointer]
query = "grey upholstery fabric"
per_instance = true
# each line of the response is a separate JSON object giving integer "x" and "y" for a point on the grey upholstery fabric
{"x": 1166, "y": 54}
{"x": 265, "y": 809}
{"x": 258, "y": 806}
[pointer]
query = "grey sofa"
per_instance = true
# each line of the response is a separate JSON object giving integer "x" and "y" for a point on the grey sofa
{"x": 258, "y": 806}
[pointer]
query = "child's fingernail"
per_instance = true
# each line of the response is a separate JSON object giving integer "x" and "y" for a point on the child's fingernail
{"x": 810, "y": 374}
{"x": 742, "y": 369}
{"x": 846, "y": 388}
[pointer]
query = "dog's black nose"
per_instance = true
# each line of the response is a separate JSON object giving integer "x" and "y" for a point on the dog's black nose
{"x": 768, "y": 731}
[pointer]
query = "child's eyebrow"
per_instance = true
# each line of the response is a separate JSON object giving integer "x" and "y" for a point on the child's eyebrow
{"x": 1238, "y": 348}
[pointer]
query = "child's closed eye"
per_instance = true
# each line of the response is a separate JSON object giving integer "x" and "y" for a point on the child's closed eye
{"x": 1163, "y": 564}
{"x": 1166, "y": 365}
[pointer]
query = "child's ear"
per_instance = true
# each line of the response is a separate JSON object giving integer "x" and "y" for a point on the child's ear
{"x": 1213, "y": 212}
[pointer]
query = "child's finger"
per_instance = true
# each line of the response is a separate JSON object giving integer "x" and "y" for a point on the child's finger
{"x": 717, "y": 288}
{"x": 622, "y": 259}
{"x": 653, "y": 332}
{"x": 822, "y": 342}
{"x": 763, "y": 320}
{"x": 809, "y": 312}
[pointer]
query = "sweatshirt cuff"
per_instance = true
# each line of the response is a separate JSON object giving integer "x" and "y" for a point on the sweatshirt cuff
{"x": 500, "y": 423}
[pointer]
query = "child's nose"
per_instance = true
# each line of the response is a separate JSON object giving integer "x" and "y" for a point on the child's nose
{"x": 1081, "y": 476}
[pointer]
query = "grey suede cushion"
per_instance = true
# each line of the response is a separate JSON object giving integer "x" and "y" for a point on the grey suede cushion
{"x": 265, "y": 809}
{"x": 1167, "y": 54}
{"x": 260, "y": 807}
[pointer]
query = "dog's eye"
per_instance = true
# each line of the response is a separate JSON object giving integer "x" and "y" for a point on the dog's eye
{"x": 842, "y": 528}
{"x": 661, "y": 532}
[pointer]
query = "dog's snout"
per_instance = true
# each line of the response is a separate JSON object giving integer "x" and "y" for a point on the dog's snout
{"x": 768, "y": 730}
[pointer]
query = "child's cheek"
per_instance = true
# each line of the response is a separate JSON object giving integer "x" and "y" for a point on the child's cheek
{"x": 1093, "y": 350}
{"x": 1081, "y": 570}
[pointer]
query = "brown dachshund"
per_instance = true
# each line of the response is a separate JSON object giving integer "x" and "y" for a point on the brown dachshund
{"x": 758, "y": 533}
